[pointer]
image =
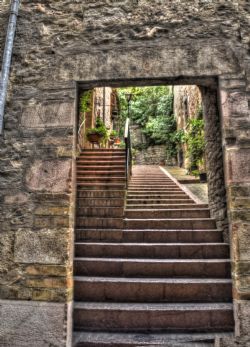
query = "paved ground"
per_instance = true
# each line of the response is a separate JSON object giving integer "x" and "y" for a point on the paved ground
{"x": 190, "y": 182}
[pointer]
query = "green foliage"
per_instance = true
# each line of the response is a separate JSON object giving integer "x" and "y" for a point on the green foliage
{"x": 195, "y": 141}
{"x": 162, "y": 130}
{"x": 85, "y": 101}
{"x": 152, "y": 109}
{"x": 113, "y": 133}
{"x": 146, "y": 102}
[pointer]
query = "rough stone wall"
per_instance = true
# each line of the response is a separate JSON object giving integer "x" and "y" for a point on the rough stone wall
{"x": 153, "y": 155}
{"x": 101, "y": 106}
{"x": 59, "y": 42}
{"x": 144, "y": 154}
{"x": 214, "y": 159}
{"x": 187, "y": 100}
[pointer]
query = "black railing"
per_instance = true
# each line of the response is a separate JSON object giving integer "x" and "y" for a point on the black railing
{"x": 128, "y": 147}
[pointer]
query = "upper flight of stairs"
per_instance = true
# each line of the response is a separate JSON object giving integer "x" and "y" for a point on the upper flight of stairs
{"x": 156, "y": 273}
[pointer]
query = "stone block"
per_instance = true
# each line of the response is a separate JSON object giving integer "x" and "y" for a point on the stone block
{"x": 237, "y": 169}
{"x": 41, "y": 246}
{"x": 51, "y": 211}
{"x": 49, "y": 282}
{"x": 240, "y": 240}
{"x": 17, "y": 199}
{"x": 52, "y": 295}
{"x": 49, "y": 175}
{"x": 6, "y": 251}
{"x": 242, "y": 317}
{"x": 29, "y": 324}
{"x": 46, "y": 270}
{"x": 47, "y": 114}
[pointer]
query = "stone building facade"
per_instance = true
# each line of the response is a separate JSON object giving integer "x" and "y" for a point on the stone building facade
{"x": 187, "y": 102}
{"x": 103, "y": 103}
{"x": 61, "y": 45}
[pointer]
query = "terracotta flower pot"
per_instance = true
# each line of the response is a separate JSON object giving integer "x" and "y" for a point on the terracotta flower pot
{"x": 94, "y": 138}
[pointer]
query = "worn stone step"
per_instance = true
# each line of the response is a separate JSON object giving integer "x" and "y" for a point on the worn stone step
{"x": 95, "y": 194}
{"x": 97, "y": 173}
{"x": 147, "y": 235}
{"x": 100, "y": 202}
{"x": 154, "y": 188}
{"x": 117, "y": 289}
{"x": 177, "y": 223}
{"x": 153, "y": 317}
{"x": 100, "y": 186}
{"x": 88, "y": 162}
{"x": 155, "y": 196}
{"x": 152, "y": 183}
{"x": 160, "y": 202}
{"x": 119, "y": 339}
{"x": 97, "y": 159}
{"x": 103, "y": 150}
{"x": 103, "y": 153}
{"x": 99, "y": 223}
{"x": 167, "y": 213}
{"x": 96, "y": 168}
{"x": 153, "y": 250}
{"x": 173, "y": 205}
{"x": 139, "y": 267}
{"x": 100, "y": 212}
{"x": 101, "y": 179}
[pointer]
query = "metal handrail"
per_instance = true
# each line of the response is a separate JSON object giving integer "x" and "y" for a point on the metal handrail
{"x": 80, "y": 137}
{"x": 128, "y": 148}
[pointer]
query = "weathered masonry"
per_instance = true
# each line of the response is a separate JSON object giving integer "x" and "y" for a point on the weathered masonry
{"x": 97, "y": 43}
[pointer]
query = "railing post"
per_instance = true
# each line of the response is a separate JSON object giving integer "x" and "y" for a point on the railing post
{"x": 128, "y": 147}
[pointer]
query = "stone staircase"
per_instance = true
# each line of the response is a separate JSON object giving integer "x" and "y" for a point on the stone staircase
{"x": 154, "y": 274}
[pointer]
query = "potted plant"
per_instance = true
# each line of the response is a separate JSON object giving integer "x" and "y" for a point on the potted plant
{"x": 113, "y": 134}
{"x": 202, "y": 170}
{"x": 97, "y": 134}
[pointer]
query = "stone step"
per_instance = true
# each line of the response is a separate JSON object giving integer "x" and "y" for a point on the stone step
{"x": 119, "y": 339}
{"x": 163, "y": 195}
{"x": 144, "y": 317}
{"x": 96, "y": 194}
{"x": 99, "y": 223}
{"x": 96, "y": 168}
{"x": 152, "y": 183}
{"x": 167, "y": 213}
{"x": 136, "y": 290}
{"x": 153, "y": 250}
{"x": 99, "y": 186}
{"x": 155, "y": 194}
{"x": 147, "y": 235}
{"x": 102, "y": 154}
{"x": 138, "y": 267}
{"x": 100, "y": 212}
{"x": 103, "y": 150}
{"x": 96, "y": 159}
{"x": 177, "y": 223}
{"x": 97, "y": 173}
{"x": 159, "y": 202}
{"x": 100, "y": 202}
{"x": 173, "y": 205}
{"x": 154, "y": 188}
{"x": 101, "y": 179}
{"x": 88, "y": 162}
